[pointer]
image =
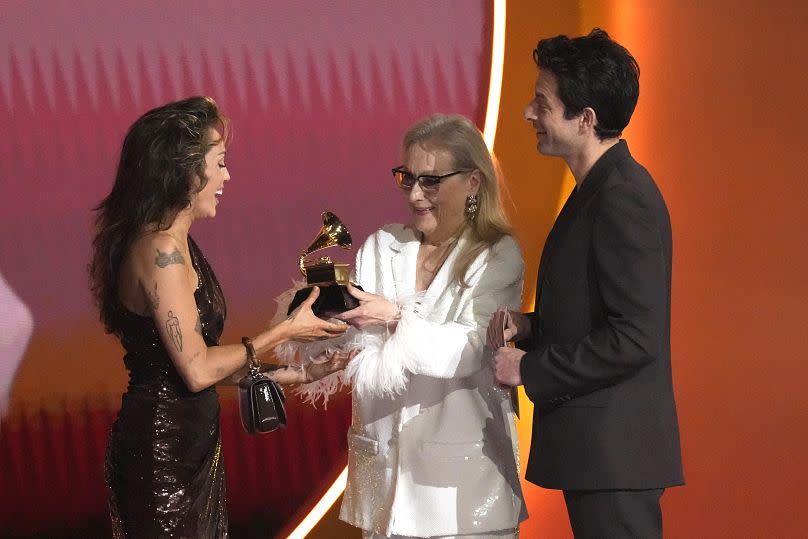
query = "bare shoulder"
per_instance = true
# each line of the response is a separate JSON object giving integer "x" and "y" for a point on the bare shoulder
{"x": 155, "y": 251}
{"x": 161, "y": 250}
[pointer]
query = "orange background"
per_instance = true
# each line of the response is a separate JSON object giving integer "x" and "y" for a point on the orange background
{"x": 721, "y": 126}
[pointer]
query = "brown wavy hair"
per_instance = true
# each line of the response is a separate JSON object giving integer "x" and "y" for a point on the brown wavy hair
{"x": 162, "y": 166}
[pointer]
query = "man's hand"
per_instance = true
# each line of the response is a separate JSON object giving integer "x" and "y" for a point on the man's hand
{"x": 505, "y": 326}
{"x": 517, "y": 326}
{"x": 506, "y": 366}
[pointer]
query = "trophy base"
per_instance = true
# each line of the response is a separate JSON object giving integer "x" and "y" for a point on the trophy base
{"x": 334, "y": 299}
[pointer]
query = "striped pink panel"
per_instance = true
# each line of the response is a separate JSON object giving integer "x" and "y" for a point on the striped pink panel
{"x": 319, "y": 93}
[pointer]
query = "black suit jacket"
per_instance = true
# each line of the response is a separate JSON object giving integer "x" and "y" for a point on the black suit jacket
{"x": 597, "y": 366}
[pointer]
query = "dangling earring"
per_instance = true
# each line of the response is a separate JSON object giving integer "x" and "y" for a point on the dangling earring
{"x": 471, "y": 207}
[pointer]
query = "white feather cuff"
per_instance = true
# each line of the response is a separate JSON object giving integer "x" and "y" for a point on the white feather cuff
{"x": 301, "y": 355}
{"x": 384, "y": 361}
{"x": 382, "y": 367}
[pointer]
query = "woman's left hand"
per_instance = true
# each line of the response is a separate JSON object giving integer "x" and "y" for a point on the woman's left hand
{"x": 323, "y": 365}
{"x": 372, "y": 310}
{"x": 334, "y": 361}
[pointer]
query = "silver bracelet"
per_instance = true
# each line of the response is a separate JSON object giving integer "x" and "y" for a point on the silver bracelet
{"x": 305, "y": 375}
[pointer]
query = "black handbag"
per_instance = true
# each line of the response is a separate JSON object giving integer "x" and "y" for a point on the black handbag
{"x": 260, "y": 398}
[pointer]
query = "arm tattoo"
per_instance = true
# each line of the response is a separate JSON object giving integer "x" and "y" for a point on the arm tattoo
{"x": 153, "y": 298}
{"x": 174, "y": 331}
{"x": 166, "y": 259}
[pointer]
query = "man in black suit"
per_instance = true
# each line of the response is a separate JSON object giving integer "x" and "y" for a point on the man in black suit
{"x": 594, "y": 356}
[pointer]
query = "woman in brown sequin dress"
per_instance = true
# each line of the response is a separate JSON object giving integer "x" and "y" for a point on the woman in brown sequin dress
{"x": 157, "y": 293}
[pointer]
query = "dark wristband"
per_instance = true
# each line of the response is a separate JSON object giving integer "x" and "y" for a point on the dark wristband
{"x": 251, "y": 357}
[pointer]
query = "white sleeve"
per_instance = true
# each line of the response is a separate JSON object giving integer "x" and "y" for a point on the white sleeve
{"x": 451, "y": 349}
{"x": 369, "y": 259}
{"x": 300, "y": 354}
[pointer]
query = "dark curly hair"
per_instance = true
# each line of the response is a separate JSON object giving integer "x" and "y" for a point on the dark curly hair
{"x": 593, "y": 71}
{"x": 162, "y": 166}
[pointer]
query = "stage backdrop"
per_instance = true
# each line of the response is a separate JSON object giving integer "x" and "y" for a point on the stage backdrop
{"x": 319, "y": 94}
{"x": 720, "y": 124}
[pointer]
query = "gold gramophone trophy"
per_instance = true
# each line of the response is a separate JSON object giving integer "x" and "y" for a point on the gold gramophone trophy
{"x": 332, "y": 278}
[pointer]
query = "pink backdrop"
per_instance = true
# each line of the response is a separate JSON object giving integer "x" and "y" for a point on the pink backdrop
{"x": 319, "y": 95}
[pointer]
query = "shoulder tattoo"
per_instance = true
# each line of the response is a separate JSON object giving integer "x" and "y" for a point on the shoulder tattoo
{"x": 166, "y": 259}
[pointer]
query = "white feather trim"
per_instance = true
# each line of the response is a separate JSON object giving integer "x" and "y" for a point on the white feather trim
{"x": 383, "y": 365}
{"x": 384, "y": 360}
{"x": 321, "y": 389}
{"x": 301, "y": 355}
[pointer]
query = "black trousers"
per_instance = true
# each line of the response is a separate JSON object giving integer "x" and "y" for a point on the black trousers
{"x": 614, "y": 514}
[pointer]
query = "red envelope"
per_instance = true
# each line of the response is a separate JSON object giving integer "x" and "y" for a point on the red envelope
{"x": 495, "y": 337}
{"x": 496, "y": 328}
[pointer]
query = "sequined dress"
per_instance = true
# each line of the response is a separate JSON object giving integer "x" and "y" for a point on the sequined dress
{"x": 164, "y": 468}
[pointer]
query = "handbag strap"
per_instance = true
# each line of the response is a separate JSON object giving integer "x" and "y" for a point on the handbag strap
{"x": 252, "y": 359}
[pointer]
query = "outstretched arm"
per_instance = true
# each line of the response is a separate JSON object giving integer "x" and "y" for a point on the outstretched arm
{"x": 163, "y": 278}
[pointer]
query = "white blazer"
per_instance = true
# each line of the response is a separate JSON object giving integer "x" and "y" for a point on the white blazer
{"x": 437, "y": 455}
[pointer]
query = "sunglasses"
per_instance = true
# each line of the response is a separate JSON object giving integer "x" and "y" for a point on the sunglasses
{"x": 427, "y": 182}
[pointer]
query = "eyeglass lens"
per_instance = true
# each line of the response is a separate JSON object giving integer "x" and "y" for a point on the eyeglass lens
{"x": 406, "y": 180}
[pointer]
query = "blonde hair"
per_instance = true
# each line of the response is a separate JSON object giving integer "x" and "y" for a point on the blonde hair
{"x": 457, "y": 135}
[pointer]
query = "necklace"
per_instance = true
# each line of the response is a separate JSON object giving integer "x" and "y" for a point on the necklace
{"x": 431, "y": 260}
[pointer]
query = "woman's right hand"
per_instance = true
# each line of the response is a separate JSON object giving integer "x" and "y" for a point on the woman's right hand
{"x": 372, "y": 310}
{"x": 304, "y": 326}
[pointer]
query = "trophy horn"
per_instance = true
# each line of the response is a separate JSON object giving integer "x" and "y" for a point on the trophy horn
{"x": 332, "y": 233}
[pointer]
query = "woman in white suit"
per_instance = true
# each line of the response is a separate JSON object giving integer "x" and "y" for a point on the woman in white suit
{"x": 432, "y": 445}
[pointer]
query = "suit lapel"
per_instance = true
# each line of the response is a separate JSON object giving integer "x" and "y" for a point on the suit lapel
{"x": 564, "y": 217}
{"x": 402, "y": 264}
{"x": 577, "y": 199}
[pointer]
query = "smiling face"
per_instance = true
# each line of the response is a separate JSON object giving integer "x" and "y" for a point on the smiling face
{"x": 438, "y": 215}
{"x": 205, "y": 201}
{"x": 556, "y": 135}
